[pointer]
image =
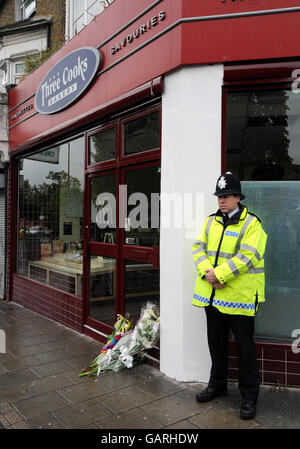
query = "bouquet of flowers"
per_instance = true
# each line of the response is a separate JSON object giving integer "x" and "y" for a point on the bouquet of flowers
{"x": 121, "y": 328}
{"x": 131, "y": 346}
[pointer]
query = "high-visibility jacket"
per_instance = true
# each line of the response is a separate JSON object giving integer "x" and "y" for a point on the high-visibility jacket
{"x": 236, "y": 253}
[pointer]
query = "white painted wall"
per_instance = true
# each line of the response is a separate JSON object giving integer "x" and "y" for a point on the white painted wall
{"x": 20, "y": 44}
{"x": 191, "y": 163}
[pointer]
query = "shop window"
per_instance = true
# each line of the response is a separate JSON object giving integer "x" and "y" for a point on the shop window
{"x": 102, "y": 146}
{"x": 141, "y": 284}
{"x": 263, "y": 150}
{"x": 143, "y": 190}
{"x": 142, "y": 134}
{"x": 102, "y": 289}
{"x": 50, "y": 216}
{"x": 103, "y": 208}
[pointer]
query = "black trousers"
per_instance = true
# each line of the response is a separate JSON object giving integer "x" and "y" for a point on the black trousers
{"x": 242, "y": 327}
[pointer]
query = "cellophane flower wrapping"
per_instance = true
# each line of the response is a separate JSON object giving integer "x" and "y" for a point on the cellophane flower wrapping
{"x": 121, "y": 328}
{"x": 131, "y": 347}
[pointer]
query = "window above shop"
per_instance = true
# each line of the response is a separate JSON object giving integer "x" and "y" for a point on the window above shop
{"x": 18, "y": 71}
{"x": 81, "y": 12}
{"x": 27, "y": 8}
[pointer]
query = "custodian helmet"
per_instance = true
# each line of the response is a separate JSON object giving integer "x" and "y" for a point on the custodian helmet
{"x": 228, "y": 184}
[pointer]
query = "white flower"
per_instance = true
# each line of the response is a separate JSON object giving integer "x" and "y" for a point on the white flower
{"x": 125, "y": 358}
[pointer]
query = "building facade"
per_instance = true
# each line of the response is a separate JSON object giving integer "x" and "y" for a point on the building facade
{"x": 27, "y": 28}
{"x": 116, "y": 143}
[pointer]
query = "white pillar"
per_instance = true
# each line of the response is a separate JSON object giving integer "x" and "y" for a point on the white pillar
{"x": 191, "y": 164}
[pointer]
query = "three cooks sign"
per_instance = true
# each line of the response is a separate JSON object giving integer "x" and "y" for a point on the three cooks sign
{"x": 67, "y": 80}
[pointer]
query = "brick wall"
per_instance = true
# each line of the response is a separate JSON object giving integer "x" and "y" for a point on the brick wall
{"x": 57, "y": 10}
{"x": 50, "y": 302}
{"x": 7, "y": 12}
{"x": 278, "y": 364}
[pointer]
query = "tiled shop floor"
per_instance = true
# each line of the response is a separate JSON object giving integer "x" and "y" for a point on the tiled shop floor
{"x": 40, "y": 388}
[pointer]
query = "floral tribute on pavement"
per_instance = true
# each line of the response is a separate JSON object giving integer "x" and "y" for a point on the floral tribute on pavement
{"x": 126, "y": 347}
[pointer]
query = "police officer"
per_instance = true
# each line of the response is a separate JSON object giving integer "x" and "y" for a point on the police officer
{"x": 229, "y": 256}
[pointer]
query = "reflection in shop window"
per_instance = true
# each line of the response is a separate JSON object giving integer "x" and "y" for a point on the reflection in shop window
{"x": 102, "y": 289}
{"x": 103, "y": 209}
{"x": 50, "y": 216}
{"x": 142, "y": 134}
{"x": 263, "y": 150}
{"x": 141, "y": 285}
{"x": 102, "y": 146}
{"x": 142, "y": 225}
{"x": 263, "y": 135}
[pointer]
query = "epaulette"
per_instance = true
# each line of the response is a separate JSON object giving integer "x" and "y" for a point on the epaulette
{"x": 212, "y": 215}
{"x": 251, "y": 213}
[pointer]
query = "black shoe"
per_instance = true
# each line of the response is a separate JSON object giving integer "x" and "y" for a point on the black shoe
{"x": 248, "y": 409}
{"x": 209, "y": 394}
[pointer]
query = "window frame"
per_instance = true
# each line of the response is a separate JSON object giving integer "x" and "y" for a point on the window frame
{"x": 118, "y": 123}
{"x": 17, "y": 75}
{"x": 126, "y": 157}
{"x": 95, "y": 166}
{"x": 86, "y": 15}
{"x": 23, "y": 9}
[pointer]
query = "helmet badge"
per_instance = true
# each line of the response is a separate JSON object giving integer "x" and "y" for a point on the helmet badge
{"x": 222, "y": 183}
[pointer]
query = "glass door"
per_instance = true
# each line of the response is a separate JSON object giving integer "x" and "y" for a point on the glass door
{"x": 122, "y": 219}
{"x": 140, "y": 238}
{"x": 122, "y": 247}
{"x": 101, "y": 288}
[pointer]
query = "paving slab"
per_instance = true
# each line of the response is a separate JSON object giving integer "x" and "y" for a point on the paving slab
{"x": 132, "y": 419}
{"x": 175, "y": 407}
{"x": 44, "y": 370}
{"x": 125, "y": 399}
{"x": 17, "y": 377}
{"x": 222, "y": 417}
{"x": 46, "y": 384}
{"x": 83, "y": 391}
{"x": 44, "y": 421}
{"x": 13, "y": 393}
{"x": 79, "y": 415}
{"x": 39, "y": 404}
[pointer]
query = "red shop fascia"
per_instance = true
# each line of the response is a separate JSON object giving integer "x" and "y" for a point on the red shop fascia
{"x": 140, "y": 42}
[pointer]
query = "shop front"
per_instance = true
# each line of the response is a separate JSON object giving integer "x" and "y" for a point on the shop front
{"x": 116, "y": 143}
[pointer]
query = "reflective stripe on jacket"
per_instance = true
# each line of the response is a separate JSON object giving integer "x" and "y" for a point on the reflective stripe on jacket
{"x": 236, "y": 253}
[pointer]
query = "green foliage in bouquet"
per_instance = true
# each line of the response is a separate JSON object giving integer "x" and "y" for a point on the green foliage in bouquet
{"x": 130, "y": 347}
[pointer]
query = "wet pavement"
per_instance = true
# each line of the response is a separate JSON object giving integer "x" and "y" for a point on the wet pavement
{"x": 40, "y": 388}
